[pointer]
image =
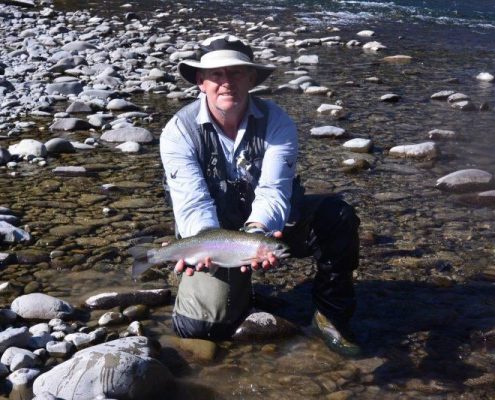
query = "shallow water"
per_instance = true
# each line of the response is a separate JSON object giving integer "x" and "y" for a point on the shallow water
{"x": 420, "y": 296}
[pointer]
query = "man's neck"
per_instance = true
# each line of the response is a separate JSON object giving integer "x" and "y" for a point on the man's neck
{"x": 229, "y": 122}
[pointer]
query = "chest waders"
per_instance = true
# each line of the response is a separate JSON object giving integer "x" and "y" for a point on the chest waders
{"x": 213, "y": 306}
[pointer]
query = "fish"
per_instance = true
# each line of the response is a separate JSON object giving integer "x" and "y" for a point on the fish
{"x": 226, "y": 249}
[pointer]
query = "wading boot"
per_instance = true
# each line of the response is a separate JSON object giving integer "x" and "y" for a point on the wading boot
{"x": 341, "y": 340}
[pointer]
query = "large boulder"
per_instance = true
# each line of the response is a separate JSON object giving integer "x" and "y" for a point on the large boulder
{"x": 121, "y": 369}
{"x": 41, "y": 306}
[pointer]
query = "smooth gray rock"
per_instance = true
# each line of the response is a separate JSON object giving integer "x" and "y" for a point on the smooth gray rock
{"x": 23, "y": 360}
{"x": 152, "y": 297}
{"x": 17, "y": 337}
{"x": 11, "y": 234}
{"x": 327, "y": 131}
{"x": 70, "y": 124}
{"x": 28, "y": 148}
{"x": 264, "y": 326}
{"x": 41, "y": 306}
{"x": 442, "y": 95}
{"x": 121, "y": 105}
{"x": 308, "y": 59}
{"x": 78, "y": 45}
{"x": 59, "y": 146}
{"x": 59, "y": 349}
{"x": 22, "y": 383}
{"x": 133, "y": 134}
{"x": 64, "y": 88}
{"x": 79, "y": 107}
{"x": 122, "y": 368}
{"x": 9, "y": 354}
{"x": 466, "y": 180}
{"x": 359, "y": 145}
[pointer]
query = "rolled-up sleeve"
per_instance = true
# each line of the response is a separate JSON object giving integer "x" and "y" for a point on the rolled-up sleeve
{"x": 194, "y": 209}
{"x": 271, "y": 206}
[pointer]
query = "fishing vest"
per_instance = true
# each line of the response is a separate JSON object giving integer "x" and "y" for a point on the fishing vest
{"x": 224, "y": 298}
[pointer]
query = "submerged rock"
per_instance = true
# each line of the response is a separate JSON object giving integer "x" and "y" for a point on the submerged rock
{"x": 153, "y": 297}
{"x": 427, "y": 150}
{"x": 466, "y": 180}
{"x": 264, "y": 326}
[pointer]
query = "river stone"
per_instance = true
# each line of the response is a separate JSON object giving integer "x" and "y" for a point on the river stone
{"x": 359, "y": 145}
{"x": 485, "y": 77}
{"x": 78, "y": 45}
{"x": 4, "y": 156}
{"x": 366, "y": 33}
{"x": 484, "y": 199}
{"x": 327, "y": 131}
{"x": 264, "y": 326}
{"x": 129, "y": 147}
{"x": 32, "y": 256}
{"x": 442, "y": 95}
{"x": 18, "y": 337}
{"x": 59, "y": 146}
{"x": 373, "y": 46}
{"x": 70, "y": 124}
{"x": 10, "y": 234}
{"x": 23, "y": 360}
{"x": 457, "y": 97}
{"x": 64, "y": 88}
{"x": 397, "y": 59}
{"x": 28, "y": 148}
{"x": 132, "y": 203}
{"x": 136, "y": 312}
{"x": 308, "y": 59}
{"x": 466, "y": 180}
{"x": 426, "y": 150}
{"x": 41, "y": 306}
{"x": 71, "y": 171}
{"x": 98, "y": 94}
{"x": 390, "y": 98}
{"x": 134, "y": 374}
{"x": 79, "y": 107}
{"x": 111, "y": 318}
{"x": 332, "y": 110}
{"x": 442, "y": 134}
{"x": 203, "y": 350}
{"x": 70, "y": 230}
{"x": 152, "y": 297}
{"x": 316, "y": 90}
{"x": 79, "y": 339}
{"x": 134, "y": 134}
{"x": 121, "y": 105}
{"x": 59, "y": 349}
{"x": 11, "y": 352}
{"x": 22, "y": 383}
{"x": 464, "y": 105}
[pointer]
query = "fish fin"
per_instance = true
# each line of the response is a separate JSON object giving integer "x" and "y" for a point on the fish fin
{"x": 138, "y": 252}
{"x": 213, "y": 269}
{"x": 138, "y": 267}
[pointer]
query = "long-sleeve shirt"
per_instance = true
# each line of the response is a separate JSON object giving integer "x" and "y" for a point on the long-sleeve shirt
{"x": 194, "y": 208}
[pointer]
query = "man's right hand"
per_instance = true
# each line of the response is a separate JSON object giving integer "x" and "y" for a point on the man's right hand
{"x": 181, "y": 266}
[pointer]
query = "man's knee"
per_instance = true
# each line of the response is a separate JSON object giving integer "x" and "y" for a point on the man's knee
{"x": 189, "y": 328}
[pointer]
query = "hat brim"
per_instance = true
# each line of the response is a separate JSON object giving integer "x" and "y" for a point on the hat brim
{"x": 188, "y": 68}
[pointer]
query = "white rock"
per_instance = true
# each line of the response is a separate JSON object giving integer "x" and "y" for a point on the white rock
{"x": 485, "y": 77}
{"x": 442, "y": 95}
{"x": 422, "y": 150}
{"x": 332, "y": 109}
{"x": 11, "y": 234}
{"x": 316, "y": 90}
{"x": 327, "y": 131}
{"x": 134, "y": 134}
{"x": 359, "y": 145}
{"x": 28, "y": 148}
{"x": 366, "y": 33}
{"x": 308, "y": 59}
{"x": 129, "y": 147}
{"x": 59, "y": 349}
{"x": 442, "y": 134}
{"x": 373, "y": 46}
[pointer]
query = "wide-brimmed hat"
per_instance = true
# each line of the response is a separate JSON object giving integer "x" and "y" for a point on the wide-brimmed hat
{"x": 223, "y": 51}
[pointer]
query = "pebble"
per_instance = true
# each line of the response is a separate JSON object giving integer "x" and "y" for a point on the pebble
{"x": 70, "y": 124}
{"x": 333, "y": 110}
{"x": 442, "y": 134}
{"x": 134, "y": 134}
{"x": 121, "y": 105}
{"x": 397, "y": 59}
{"x": 327, "y": 131}
{"x": 373, "y": 46}
{"x": 443, "y": 95}
{"x": 21, "y": 382}
{"x": 366, "y": 33}
{"x": 71, "y": 171}
{"x": 111, "y": 318}
{"x": 308, "y": 59}
{"x": 129, "y": 147}
{"x": 485, "y": 77}
{"x": 390, "y": 98}
{"x": 359, "y": 145}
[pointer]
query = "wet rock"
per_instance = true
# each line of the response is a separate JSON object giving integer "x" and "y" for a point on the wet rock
{"x": 366, "y": 33}
{"x": 308, "y": 59}
{"x": 72, "y": 171}
{"x": 134, "y": 134}
{"x": 27, "y": 148}
{"x": 427, "y": 150}
{"x": 465, "y": 105}
{"x": 154, "y": 297}
{"x": 327, "y": 131}
{"x": 134, "y": 374}
{"x": 111, "y": 318}
{"x": 11, "y": 234}
{"x": 5, "y": 156}
{"x": 136, "y": 312}
{"x": 466, "y": 180}
{"x": 64, "y": 88}
{"x": 200, "y": 349}
{"x": 59, "y": 146}
{"x": 41, "y": 306}
{"x": 10, "y": 353}
{"x": 32, "y": 256}
{"x": 70, "y": 124}
{"x": 442, "y": 134}
{"x": 121, "y": 105}
{"x": 397, "y": 59}
{"x": 483, "y": 199}
{"x": 333, "y": 110}
{"x": 443, "y": 95}
{"x": 373, "y": 46}
{"x": 390, "y": 98}
{"x": 358, "y": 145}
{"x": 453, "y": 98}
{"x": 355, "y": 165}
{"x": 18, "y": 337}
{"x": 79, "y": 107}
{"x": 264, "y": 326}
{"x": 485, "y": 77}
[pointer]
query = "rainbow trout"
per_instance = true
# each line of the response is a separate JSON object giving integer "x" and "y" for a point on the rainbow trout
{"x": 227, "y": 249}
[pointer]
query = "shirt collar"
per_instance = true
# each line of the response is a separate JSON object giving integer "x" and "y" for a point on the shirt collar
{"x": 204, "y": 116}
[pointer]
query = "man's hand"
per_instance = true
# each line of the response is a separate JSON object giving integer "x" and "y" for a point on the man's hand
{"x": 181, "y": 266}
{"x": 269, "y": 263}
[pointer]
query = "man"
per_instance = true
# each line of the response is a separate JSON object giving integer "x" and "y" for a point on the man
{"x": 230, "y": 162}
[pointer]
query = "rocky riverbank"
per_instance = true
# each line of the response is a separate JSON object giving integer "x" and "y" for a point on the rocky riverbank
{"x": 83, "y": 100}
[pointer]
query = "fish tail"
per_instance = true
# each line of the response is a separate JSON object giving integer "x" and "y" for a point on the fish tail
{"x": 140, "y": 263}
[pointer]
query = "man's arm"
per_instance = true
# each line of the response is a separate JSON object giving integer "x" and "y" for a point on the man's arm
{"x": 271, "y": 205}
{"x": 194, "y": 209}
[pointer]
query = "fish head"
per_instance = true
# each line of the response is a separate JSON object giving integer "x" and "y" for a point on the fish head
{"x": 280, "y": 250}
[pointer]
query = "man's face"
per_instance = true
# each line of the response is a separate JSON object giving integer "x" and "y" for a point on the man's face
{"x": 226, "y": 88}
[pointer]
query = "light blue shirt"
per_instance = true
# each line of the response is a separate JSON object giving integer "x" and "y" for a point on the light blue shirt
{"x": 194, "y": 208}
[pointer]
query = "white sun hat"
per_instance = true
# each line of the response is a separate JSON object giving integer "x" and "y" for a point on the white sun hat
{"x": 223, "y": 51}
